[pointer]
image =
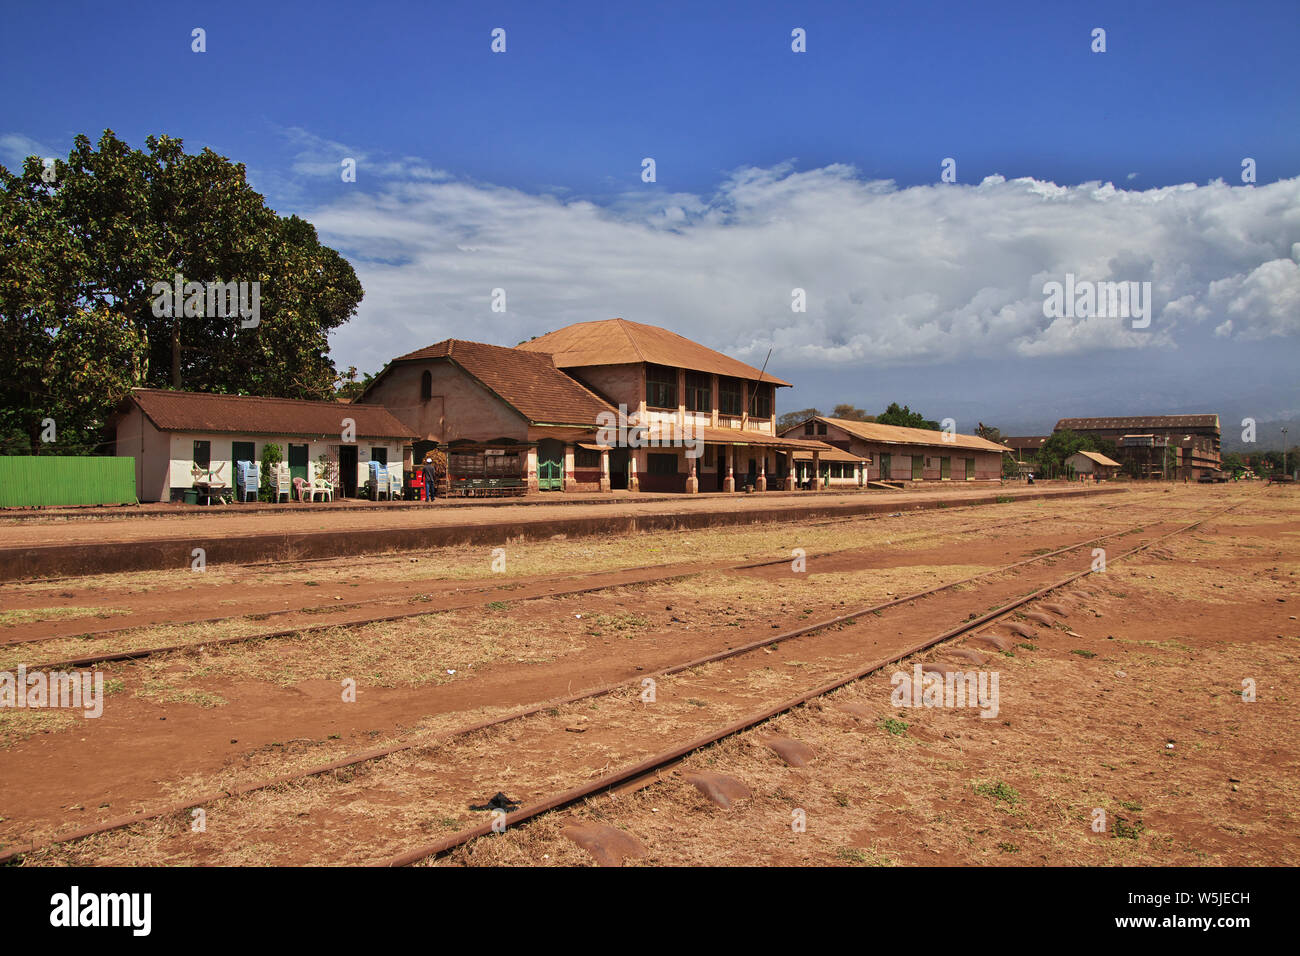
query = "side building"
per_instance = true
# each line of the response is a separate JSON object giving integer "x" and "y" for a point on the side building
{"x": 908, "y": 454}
{"x": 1157, "y": 446}
{"x": 176, "y": 436}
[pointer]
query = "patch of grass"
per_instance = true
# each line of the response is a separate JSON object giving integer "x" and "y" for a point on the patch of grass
{"x": 1131, "y": 805}
{"x": 1082, "y": 653}
{"x": 998, "y": 790}
{"x": 1123, "y": 830}
{"x": 894, "y": 726}
{"x": 497, "y": 605}
{"x": 31, "y": 615}
{"x": 1008, "y": 847}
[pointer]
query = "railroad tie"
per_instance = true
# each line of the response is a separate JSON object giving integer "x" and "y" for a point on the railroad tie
{"x": 795, "y": 753}
{"x": 608, "y": 846}
{"x": 719, "y": 788}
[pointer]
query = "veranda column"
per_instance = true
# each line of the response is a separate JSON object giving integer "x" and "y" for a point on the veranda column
{"x": 632, "y": 483}
{"x": 761, "y": 483}
{"x": 692, "y": 479}
{"x": 790, "y": 478}
{"x": 604, "y": 469}
{"x": 569, "y": 478}
{"x": 729, "y": 483}
{"x": 530, "y": 469}
{"x": 817, "y": 471}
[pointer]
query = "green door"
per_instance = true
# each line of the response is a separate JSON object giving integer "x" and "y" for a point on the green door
{"x": 550, "y": 465}
{"x": 242, "y": 451}
{"x": 970, "y": 468}
{"x": 918, "y": 462}
{"x": 885, "y": 462}
{"x": 945, "y": 467}
{"x": 297, "y": 462}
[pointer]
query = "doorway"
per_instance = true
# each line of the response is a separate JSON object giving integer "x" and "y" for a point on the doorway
{"x": 297, "y": 462}
{"x": 348, "y": 471}
{"x": 618, "y": 462}
{"x": 550, "y": 465}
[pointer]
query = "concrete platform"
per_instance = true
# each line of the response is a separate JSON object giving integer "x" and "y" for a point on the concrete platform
{"x": 86, "y": 545}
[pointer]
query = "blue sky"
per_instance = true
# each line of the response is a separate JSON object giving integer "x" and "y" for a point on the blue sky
{"x": 816, "y": 170}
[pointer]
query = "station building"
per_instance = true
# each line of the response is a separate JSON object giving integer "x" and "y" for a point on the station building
{"x": 907, "y": 454}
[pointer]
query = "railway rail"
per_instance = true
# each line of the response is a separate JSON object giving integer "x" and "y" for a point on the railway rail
{"x": 660, "y": 760}
{"x": 653, "y": 574}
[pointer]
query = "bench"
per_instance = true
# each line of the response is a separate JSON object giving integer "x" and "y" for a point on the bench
{"x": 487, "y": 487}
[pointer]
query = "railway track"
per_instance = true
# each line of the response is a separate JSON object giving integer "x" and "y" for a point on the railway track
{"x": 533, "y": 590}
{"x": 644, "y": 773}
{"x": 661, "y": 759}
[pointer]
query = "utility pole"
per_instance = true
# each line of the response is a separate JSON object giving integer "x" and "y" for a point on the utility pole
{"x": 1284, "y": 471}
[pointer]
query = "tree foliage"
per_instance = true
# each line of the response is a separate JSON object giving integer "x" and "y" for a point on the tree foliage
{"x": 81, "y": 254}
{"x": 852, "y": 413}
{"x": 905, "y": 418}
{"x": 790, "y": 419}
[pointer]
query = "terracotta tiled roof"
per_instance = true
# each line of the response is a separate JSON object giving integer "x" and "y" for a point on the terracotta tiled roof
{"x": 620, "y": 342}
{"x": 252, "y": 415}
{"x": 1099, "y": 458}
{"x": 896, "y": 435}
{"x": 830, "y": 453}
{"x": 528, "y": 382}
{"x": 1138, "y": 422}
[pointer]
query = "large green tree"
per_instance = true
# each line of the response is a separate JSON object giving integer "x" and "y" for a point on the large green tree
{"x": 905, "y": 417}
{"x": 84, "y": 245}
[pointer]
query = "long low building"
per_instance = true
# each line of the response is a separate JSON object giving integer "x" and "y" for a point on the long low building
{"x": 177, "y": 436}
{"x": 908, "y": 454}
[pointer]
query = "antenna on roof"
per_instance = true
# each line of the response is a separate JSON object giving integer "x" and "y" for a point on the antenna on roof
{"x": 754, "y": 396}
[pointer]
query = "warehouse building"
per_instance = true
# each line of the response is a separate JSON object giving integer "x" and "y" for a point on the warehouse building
{"x": 1156, "y": 446}
{"x": 908, "y": 454}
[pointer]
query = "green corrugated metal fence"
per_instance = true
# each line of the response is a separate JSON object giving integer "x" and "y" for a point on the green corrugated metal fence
{"x": 28, "y": 480}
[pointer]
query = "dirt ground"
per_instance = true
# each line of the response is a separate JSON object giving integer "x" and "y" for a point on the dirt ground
{"x": 1153, "y": 652}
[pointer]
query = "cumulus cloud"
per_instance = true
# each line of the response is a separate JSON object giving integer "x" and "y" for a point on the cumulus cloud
{"x": 922, "y": 274}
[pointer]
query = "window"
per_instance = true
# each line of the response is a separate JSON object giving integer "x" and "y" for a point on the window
{"x": 380, "y": 454}
{"x": 203, "y": 454}
{"x": 660, "y": 386}
{"x": 661, "y": 464}
{"x": 710, "y": 455}
{"x": 821, "y": 428}
{"x": 426, "y": 386}
{"x": 762, "y": 401}
{"x": 586, "y": 458}
{"x": 810, "y": 428}
{"x": 699, "y": 392}
{"x": 970, "y": 467}
{"x": 731, "y": 399}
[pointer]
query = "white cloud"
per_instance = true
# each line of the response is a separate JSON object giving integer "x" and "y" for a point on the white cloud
{"x": 15, "y": 147}
{"x": 917, "y": 275}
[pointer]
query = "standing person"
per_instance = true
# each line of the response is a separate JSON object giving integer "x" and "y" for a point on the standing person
{"x": 430, "y": 479}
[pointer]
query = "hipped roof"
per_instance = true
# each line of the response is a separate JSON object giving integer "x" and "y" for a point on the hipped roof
{"x": 528, "y": 382}
{"x": 621, "y": 342}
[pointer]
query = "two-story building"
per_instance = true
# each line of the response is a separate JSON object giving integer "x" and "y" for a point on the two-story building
{"x": 689, "y": 418}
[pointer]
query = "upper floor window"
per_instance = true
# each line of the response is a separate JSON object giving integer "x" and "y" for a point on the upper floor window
{"x": 810, "y": 428}
{"x": 731, "y": 399}
{"x": 426, "y": 386}
{"x": 762, "y": 401}
{"x": 699, "y": 392}
{"x": 660, "y": 386}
